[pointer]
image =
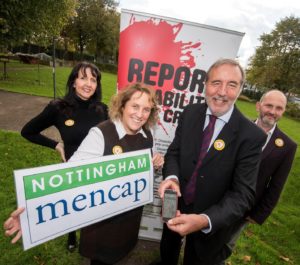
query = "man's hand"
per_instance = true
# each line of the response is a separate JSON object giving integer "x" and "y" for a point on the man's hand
{"x": 185, "y": 224}
{"x": 169, "y": 184}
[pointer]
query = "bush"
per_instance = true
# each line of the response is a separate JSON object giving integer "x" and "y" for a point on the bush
{"x": 252, "y": 94}
{"x": 293, "y": 110}
{"x": 108, "y": 68}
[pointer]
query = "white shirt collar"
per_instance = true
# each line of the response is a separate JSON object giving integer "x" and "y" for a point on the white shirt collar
{"x": 224, "y": 117}
{"x": 121, "y": 130}
{"x": 270, "y": 132}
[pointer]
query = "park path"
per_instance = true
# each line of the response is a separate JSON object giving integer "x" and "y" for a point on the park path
{"x": 17, "y": 109}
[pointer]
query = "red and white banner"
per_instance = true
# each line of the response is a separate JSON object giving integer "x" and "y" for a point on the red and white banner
{"x": 172, "y": 56}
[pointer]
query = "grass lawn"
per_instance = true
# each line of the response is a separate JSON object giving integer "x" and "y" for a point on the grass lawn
{"x": 276, "y": 242}
{"x": 38, "y": 80}
{"x": 18, "y": 153}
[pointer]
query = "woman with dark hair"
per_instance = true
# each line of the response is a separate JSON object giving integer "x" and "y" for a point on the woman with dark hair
{"x": 73, "y": 115}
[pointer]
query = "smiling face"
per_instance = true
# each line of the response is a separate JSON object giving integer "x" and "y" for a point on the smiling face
{"x": 85, "y": 84}
{"x": 270, "y": 108}
{"x": 222, "y": 88}
{"x": 136, "y": 112}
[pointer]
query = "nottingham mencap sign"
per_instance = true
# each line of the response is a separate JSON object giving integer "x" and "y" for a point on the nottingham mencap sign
{"x": 64, "y": 197}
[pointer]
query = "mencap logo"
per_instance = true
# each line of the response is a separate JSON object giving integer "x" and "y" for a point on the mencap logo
{"x": 64, "y": 197}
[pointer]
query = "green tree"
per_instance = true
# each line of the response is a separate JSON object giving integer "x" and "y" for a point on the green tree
{"x": 276, "y": 63}
{"x": 104, "y": 24}
{"x": 33, "y": 20}
{"x": 95, "y": 28}
{"x": 76, "y": 29}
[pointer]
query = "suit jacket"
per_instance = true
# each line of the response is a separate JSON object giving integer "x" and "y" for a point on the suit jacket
{"x": 226, "y": 182}
{"x": 276, "y": 163}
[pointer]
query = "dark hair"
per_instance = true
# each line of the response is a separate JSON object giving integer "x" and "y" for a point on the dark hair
{"x": 70, "y": 89}
{"x": 69, "y": 102}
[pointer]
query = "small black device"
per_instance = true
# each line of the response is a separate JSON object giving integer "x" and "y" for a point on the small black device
{"x": 169, "y": 206}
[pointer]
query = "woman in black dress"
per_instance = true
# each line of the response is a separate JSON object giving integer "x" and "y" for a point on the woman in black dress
{"x": 73, "y": 116}
{"x": 133, "y": 114}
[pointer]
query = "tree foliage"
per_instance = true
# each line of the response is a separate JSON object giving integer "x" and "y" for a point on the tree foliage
{"x": 95, "y": 28}
{"x": 90, "y": 26}
{"x": 276, "y": 63}
{"x": 33, "y": 20}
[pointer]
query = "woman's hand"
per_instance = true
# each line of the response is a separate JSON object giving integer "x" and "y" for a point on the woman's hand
{"x": 158, "y": 160}
{"x": 13, "y": 225}
{"x": 60, "y": 148}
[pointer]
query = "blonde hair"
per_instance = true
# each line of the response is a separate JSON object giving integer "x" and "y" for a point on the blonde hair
{"x": 119, "y": 101}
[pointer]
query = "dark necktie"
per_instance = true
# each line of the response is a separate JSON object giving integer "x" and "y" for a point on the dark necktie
{"x": 190, "y": 189}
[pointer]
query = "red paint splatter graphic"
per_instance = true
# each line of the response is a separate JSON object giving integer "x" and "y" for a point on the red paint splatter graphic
{"x": 154, "y": 40}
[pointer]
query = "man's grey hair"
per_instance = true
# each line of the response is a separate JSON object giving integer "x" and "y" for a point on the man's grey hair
{"x": 230, "y": 62}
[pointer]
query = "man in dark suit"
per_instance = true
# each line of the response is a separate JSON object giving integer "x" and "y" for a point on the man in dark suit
{"x": 277, "y": 158}
{"x": 225, "y": 178}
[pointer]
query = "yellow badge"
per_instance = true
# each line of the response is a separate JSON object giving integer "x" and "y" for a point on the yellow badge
{"x": 279, "y": 142}
{"x": 219, "y": 144}
{"x": 69, "y": 122}
{"x": 117, "y": 150}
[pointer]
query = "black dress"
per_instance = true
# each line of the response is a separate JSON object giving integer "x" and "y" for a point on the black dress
{"x": 72, "y": 122}
{"x": 111, "y": 240}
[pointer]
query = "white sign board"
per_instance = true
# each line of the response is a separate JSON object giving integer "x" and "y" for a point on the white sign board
{"x": 65, "y": 197}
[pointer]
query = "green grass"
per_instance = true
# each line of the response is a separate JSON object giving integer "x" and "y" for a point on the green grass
{"x": 17, "y": 153}
{"x": 38, "y": 80}
{"x": 278, "y": 237}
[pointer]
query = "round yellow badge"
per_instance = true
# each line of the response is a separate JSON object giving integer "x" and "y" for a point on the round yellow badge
{"x": 219, "y": 144}
{"x": 69, "y": 122}
{"x": 279, "y": 142}
{"x": 117, "y": 150}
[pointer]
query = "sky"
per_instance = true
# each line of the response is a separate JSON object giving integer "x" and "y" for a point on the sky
{"x": 252, "y": 17}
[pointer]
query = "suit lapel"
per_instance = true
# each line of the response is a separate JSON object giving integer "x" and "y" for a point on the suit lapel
{"x": 271, "y": 144}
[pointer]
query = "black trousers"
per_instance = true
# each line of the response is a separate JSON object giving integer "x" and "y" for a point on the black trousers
{"x": 96, "y": 262}
{"x": 170, "y": 247}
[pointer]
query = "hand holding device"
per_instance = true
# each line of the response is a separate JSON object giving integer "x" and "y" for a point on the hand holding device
{"x": 169, "y": 206}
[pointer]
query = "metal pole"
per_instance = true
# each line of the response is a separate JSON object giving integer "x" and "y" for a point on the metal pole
{"x": 39, "y": 76}
{"x": 53, "y": 69}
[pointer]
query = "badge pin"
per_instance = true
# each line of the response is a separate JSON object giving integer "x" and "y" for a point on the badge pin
{"x": 69, "y": 122}
{"x": 279, "y": 142}
{"x": 117, "y": 150}
{"x": 219, "y": 144}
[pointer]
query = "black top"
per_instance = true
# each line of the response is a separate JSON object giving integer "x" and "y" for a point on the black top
{"x": 72, "y": 122}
